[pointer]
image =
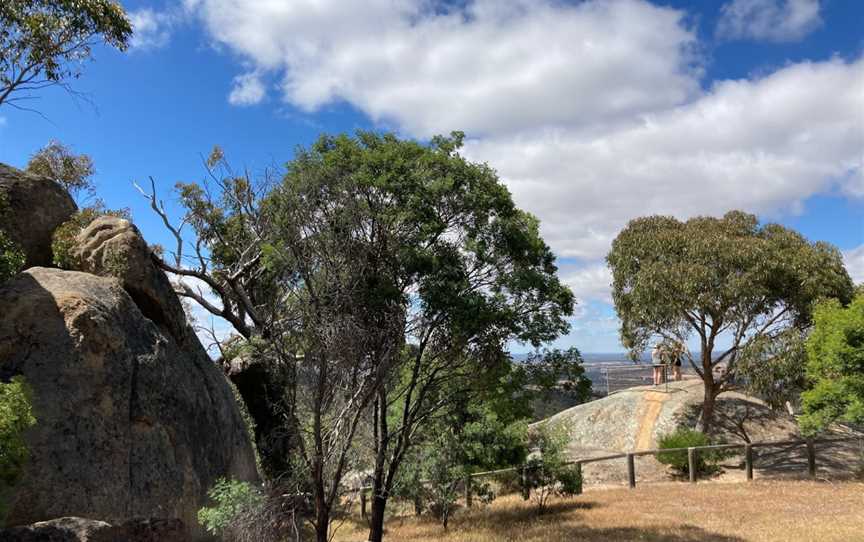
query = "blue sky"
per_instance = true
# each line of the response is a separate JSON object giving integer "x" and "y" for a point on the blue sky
{"x": 592, "y": 112}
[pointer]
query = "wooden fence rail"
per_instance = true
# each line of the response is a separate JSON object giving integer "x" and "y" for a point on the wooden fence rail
{"x": 692, "y": 458}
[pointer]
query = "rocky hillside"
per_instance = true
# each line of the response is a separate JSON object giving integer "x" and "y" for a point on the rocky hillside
{"x": 133, "y": 418}
{"x": 634, "y": 420}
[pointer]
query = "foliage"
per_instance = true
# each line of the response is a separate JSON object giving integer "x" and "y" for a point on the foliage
{"x": 16, "y": 415}
{"x": 835, "y": 366}
{"x": 74, "y": 172}
{"x": 546, "y": 471}
{"x": 550, "y": 379}
{"x": 370, "y": 244}
{"x": 687, "y": 438}
{"x": 231, "y": 499}
{"x": 467, "y": 269}
{"x": 713, "y": 277}
{"x": 63, "y": 240}
{"x": 45, "y": 42}
{"x": 11, "y": 255}
{"x": 479, "y": 431}
{"x": 773, "y": 367}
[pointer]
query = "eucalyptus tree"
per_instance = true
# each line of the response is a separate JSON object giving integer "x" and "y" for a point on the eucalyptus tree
{"x": 726, "y": 280}
{"x": 46, "y": 42}
{"x": 74, "y": 172}
{"x": 467, "y": 269}
{"x": 386, "y": 273}
{"x": 217, "y": 263}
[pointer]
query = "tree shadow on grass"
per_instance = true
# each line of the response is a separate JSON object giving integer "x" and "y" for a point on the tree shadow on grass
{"x": 562, "y": 521}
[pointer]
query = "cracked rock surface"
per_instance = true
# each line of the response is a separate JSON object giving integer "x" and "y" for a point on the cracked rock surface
{"x": 130, "y": 423}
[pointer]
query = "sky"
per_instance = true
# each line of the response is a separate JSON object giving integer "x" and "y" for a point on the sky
{"x": 593, "y": 112}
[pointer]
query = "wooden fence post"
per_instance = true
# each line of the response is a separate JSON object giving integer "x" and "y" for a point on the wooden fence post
{"x": 526, "y": 491}
{"x": 748, "y": 461}
{"x": 468, "y": 500}
{"x": 691, "y": 464}
{"x": 581, "y": 480}
{"x": 631, "y": 471}
{"x": 811, "y": 458}
{"x": 362, "y": 503}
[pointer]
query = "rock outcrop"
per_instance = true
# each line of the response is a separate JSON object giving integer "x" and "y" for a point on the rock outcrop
{"x": 72, "y": 529}
{"x": 37, "y": 205}
{"x": 132, "y": 422}
{"x": 113, "y": 247}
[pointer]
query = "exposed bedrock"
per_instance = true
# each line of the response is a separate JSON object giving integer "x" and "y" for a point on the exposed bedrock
{"x": 36, "y": 206}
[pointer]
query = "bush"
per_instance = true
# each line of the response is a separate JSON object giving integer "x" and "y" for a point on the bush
{"x": 16, "y": 415}
{"x": 688, "y": 438}
{"x": 232, "y": 499}
{"x": 63, "y": 240}
{"x": 548, "y": 473}
{"x": 11, "y": 256}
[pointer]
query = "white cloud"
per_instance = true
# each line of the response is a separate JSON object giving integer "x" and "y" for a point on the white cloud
{"x": 248, "y": 89}
{"x": 771, "y": 20}
{"x": 151, "y": 29}
{"x": 592, "y": 113}
{"x": 495, "y": 66}
{"x": 591, "y": 282}
{"x": 763, "y": 146}
{"x": 854, "y": 260}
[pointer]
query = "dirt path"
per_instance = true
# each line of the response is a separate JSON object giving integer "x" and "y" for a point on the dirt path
{"x": 653, "y": 404}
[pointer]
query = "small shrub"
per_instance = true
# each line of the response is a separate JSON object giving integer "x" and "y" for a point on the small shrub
{"x": 11, "y": 258}
{"x": 548, "y": 473}
{"x": 232, "y": 499}
{"x": 16, "y": 415}
{"x": 688, "y": 438}
{"x": 11, "y": 255}
{"x": 63, "y": 240}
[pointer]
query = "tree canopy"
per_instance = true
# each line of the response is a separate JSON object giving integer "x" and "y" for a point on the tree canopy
{"x": 73, "y": 171}
{"x": 835, "y": 366}
{"x": 383, "y": 275}
{"x": 721, "y": 279}
{"x": 46, "y": 42}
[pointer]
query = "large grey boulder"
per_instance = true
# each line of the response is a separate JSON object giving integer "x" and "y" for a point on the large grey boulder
{"x": 72, "y": 529}
{"x": 129, "y": 422}
{"x": 113, "y": 247}
{"x": 37, "y": 206}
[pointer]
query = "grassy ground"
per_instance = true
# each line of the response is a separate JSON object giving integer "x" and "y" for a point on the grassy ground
{"x": 676, "y": 512}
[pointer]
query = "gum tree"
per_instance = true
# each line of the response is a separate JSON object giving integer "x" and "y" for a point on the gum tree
{"x": 726, "y": 280}
{"x": 45, "y": 42}
{"x": 386, "y": 274}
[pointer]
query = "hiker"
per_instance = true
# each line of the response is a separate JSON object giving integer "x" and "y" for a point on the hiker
{"x": 657, "y": 362}
{"x": 677, "y": 359}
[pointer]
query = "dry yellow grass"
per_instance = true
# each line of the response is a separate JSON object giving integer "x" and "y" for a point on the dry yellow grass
{"x": 679, "y": 512}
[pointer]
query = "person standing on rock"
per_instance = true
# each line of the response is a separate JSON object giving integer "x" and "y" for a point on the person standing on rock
{"x": 657, "y": 362}
{"x": 677, "y": 359}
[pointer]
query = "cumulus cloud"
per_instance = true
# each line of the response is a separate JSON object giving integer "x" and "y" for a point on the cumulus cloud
{"x": 770, "y": 20}
{"x": 248, "y": 89}
{"x": 151, "y": 29}
{"x": 589, "y": 282}
{"x": 592, "y": 112}
{"x": 854, "y": 260}
{"x": 493, "y": 66}
{"x": 763, "y": 146}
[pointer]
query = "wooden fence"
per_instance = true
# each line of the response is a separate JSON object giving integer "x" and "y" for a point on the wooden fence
{"x": 630, "y": 458}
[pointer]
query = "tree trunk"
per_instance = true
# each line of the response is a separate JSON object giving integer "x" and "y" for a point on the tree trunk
{"x": 706, "y": 424}
{"x": 376, "y": 519}
{"x": 322, "y": 523}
